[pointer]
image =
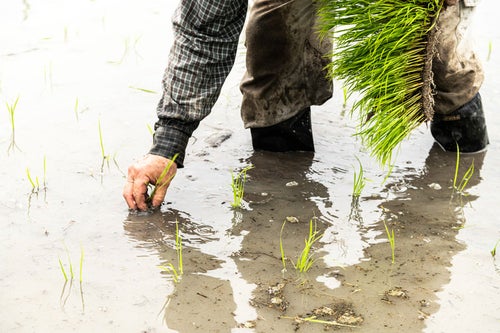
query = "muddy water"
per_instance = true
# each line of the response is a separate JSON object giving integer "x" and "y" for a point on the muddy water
{"x": 76, "y": 66}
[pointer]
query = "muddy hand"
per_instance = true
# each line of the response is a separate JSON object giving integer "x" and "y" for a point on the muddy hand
{"x": 141, "y": 174}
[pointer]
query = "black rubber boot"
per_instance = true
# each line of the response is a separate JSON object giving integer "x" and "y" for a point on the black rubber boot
{"x": 294, "y": 134}
{"x": 465, "y": 127}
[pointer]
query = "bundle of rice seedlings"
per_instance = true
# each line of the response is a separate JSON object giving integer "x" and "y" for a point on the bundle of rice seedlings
{"x": 383, "y": 51}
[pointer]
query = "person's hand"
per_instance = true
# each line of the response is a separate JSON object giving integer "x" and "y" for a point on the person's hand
{"x": 450, "y": 2}
{"x": 144, "y": 172}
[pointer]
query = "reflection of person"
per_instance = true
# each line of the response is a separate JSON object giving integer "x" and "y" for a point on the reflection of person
{"x": 285, "y": 62}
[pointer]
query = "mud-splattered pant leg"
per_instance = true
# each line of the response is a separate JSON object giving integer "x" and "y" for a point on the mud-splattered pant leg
{"x": 458, "y": 74}
{"x": 285, "y": 62}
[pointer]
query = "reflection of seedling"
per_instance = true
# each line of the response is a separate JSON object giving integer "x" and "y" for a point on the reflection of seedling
{"x": 238, "y": 185}
{"x": 169, "y": 267}
{"x": 162, "y": 180}
{"x": 12, "y": 109}
{"x": 494, "y": 250}
{"x": 392, "y": 240}
{"x": 306, "y": 260}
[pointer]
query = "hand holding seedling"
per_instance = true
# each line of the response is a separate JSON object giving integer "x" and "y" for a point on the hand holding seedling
{"x": 152, "y": 169}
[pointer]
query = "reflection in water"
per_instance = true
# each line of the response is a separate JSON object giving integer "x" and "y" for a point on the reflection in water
{"x": 226, "y": 286}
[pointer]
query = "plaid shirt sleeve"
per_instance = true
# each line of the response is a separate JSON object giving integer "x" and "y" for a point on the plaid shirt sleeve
{"x": 206, "y": 38}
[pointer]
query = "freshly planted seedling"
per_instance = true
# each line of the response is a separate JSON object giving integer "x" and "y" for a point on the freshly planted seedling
{"x": 178, "y": 248}
{"x": 359, "y": 181}
{"x": 71, "y": 272}
{"x": 494, "y": 250}
{"x": 150, "y": 129}
{"x": 105, "y": 158}
{"x": 490, "y": 48}
{"x": 149, "y": 91}
{"x": 282, "y": 250}
{"x": 63, "y": 270}
{"x": 11, "y": 108}
{"x": 392, "y": 240}
{"x": 163, "y": 180}
{"x": 459, "y": 187}
{"x": 238, "y": 186}
{"x": 306, "y": 258}
{"x": 35, "y": 185}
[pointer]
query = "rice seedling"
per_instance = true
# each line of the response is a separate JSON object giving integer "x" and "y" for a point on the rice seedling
{"x": 163, "y": 180}
{"x": 384, "y": 51}
{"x": 11, "y": 108}
{"x": 459, "y": 187}
{"x": 359, "y": 181}
{"x": 76, "y": 109}
{"x": 345, "y": 95}
{"x": 149, "y": 91}
{"x": 282, "y": 250}
{"x": 306, "y": 258}
{"x": 150, "y": 129}
{"x": 494, "y": 250}
{"x": 35, "y": 185}
{"x": 71, "y": 275}
{"x": 63, "y": 270}
{"x": 175, "y": 273}
{"x": 392, "y": 241}
{"x": 105, "y": 158}
{"x": 490, "y": 48}
{"x": 178, "y": 248}
{"x": 238, "y": 186}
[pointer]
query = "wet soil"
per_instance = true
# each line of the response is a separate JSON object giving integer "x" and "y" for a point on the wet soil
{"x": 101, "y": 63}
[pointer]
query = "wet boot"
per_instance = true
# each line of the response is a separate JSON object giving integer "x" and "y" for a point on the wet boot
{"x": 294, "y": 134}
{"x": 465, "y": 127}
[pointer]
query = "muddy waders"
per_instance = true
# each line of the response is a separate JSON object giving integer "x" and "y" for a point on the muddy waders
{"x": 458, "y": 75}
{"x": 285, "y": 74}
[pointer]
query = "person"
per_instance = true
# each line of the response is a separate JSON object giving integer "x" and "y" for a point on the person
{"x": 285, "y": 75}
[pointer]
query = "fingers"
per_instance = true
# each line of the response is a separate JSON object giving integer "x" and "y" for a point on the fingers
{"x": 139, "y": 191}
{"x": 128, "y": 196}
{"x": 150, "y": 170}
{"x": 135, "y": 193}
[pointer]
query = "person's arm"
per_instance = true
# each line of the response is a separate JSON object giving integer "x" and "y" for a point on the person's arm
{"x": 206, "y": 38}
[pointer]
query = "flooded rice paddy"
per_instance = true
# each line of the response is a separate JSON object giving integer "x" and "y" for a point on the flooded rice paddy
{"x": 82, "y": 65}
